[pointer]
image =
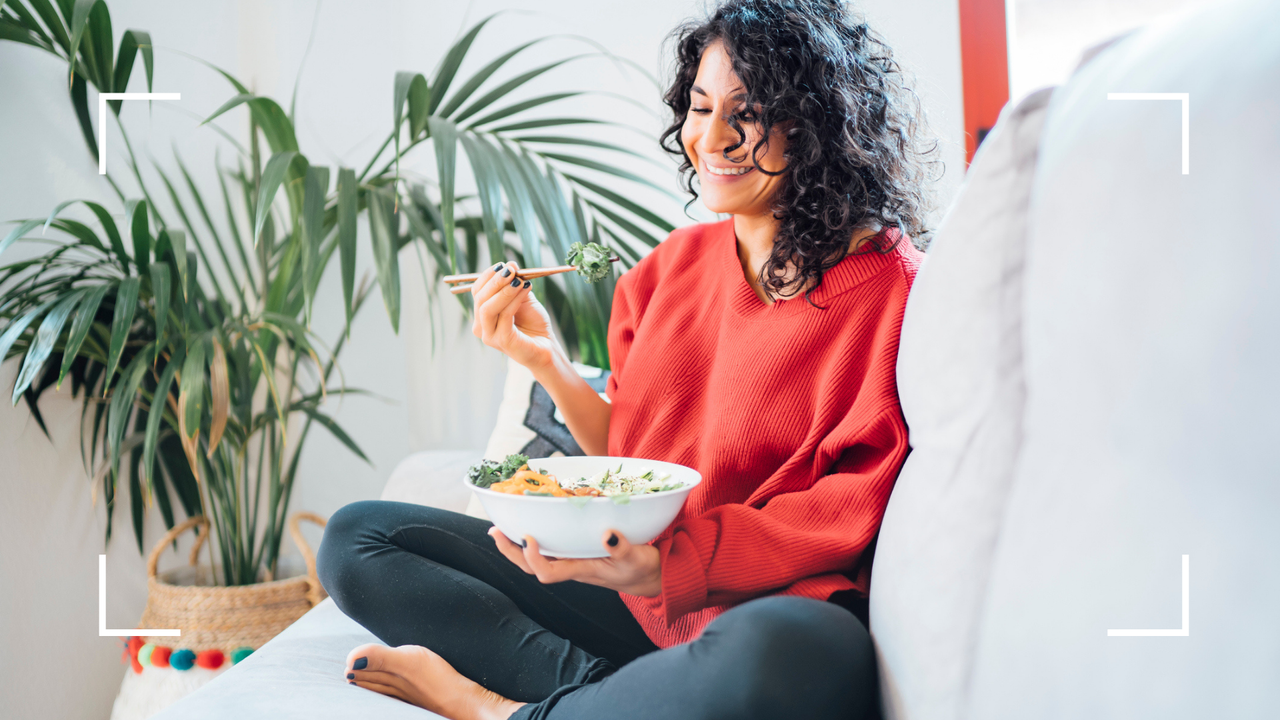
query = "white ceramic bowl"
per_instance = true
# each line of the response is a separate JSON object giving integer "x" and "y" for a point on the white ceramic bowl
{"x": 574, "y": 528}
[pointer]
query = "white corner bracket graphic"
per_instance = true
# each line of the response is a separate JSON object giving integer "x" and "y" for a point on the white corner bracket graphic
{"x": 1186, "y": 118}
{"x": 103, "y": 630}
{"x": 102, "y": 118}
{"x": 1183, "y": 631}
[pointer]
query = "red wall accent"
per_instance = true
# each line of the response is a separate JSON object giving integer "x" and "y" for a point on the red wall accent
{"x": 984, "y": 61}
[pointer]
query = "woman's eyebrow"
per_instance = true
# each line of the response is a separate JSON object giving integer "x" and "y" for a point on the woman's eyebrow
{"x": 739, "y": 96}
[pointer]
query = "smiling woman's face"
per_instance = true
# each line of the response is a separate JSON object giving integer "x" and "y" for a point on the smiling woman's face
{"x": 733, "y": 186}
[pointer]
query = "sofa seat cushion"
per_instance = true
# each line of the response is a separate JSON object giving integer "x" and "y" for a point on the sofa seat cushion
{"x": 298, "y": 674}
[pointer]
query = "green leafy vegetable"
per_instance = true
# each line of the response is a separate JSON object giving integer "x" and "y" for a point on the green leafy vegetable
{"x": 489, "y": 472}
{"x": 512, "y": 464}
{"x": 592, "y": 260}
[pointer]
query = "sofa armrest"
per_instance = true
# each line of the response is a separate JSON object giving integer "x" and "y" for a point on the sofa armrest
{"x": 434, "y": 478}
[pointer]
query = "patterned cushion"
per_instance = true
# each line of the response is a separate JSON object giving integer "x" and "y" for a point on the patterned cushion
{"x": 552, "y": 436}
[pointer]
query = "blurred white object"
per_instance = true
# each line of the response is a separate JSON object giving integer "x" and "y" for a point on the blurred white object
{"x": 1112, "y": 408}
{"x": 1152, "y": 307}
{"x": 575, "y": 527}
{"x": 960, "y": 380}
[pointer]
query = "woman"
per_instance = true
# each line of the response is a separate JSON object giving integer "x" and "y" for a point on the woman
{"x": 759, "y": 350}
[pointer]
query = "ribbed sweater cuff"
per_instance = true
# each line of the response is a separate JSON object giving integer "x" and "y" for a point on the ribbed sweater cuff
{"x": 684, "y": 579}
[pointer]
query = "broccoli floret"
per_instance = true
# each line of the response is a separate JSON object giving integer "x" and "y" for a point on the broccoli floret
{"x": 592, "y": 260}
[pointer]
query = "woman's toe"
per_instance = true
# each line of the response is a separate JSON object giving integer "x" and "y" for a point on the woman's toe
{"x": 370, "y": 656}
{"x": 383, "y": 689}
{"x": 381, "y": 678}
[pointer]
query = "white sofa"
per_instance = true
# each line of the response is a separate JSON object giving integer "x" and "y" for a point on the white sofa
{"x": 1090, "y": 368}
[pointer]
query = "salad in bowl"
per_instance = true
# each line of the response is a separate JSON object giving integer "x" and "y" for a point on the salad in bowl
{"x": 568, "y": 503}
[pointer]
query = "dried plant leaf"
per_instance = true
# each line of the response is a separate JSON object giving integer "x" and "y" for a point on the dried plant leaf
{"x": 220, "y": 389}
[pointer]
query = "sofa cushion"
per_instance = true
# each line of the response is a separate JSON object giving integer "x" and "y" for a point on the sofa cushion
{"x": 960, "y": 383}
{"x": 432, "y": 477}
{"x": 1153, "y": 343}
{"x": 297, "y": 674}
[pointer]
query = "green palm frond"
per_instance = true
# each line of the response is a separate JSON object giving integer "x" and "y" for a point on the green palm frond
{"x": 524, "y": 180}
{"x": 183, "y": 320}
{"x": 79, "y": 33}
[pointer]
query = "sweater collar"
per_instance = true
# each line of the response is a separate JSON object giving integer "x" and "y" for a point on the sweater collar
{"x": 850, "y": 272}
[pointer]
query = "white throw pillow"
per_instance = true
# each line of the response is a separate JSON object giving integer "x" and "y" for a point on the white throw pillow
{"x": 529, "y": 422}
{"x": 960, "y": 382}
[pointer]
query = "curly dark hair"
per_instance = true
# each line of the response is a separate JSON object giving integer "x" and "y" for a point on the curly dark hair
{"x": 858, "y": 154}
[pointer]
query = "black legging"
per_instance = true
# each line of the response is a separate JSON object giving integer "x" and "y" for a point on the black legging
{"x": 415, "y": 575}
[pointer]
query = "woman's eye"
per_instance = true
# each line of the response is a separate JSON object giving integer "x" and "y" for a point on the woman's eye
{"x": 700, "y": 111}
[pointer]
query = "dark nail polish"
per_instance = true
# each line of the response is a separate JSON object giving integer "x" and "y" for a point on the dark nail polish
{"x": 524, "y": 544}
{"x": 526, "y": 284}
{"x": 360, "y": 663}
{"x": 351, "y": 676}
{"x": 497, "y": 267}
{"x": 506, "y": 272}
{"x": 516, "y": 282}
{"x": 350, "y": 683}
{"x": 613, "y": 540}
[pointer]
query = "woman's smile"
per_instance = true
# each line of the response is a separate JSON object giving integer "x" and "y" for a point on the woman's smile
{"x": 723, "y": 173}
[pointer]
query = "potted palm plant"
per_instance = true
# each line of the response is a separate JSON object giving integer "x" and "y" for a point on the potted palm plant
{"x": 201, "y": 387}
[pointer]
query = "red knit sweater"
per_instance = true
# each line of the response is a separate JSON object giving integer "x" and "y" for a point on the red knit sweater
{"x": 789, "y": 412}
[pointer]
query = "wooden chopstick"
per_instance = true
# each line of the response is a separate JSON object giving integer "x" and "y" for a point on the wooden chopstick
{"x": 527, "y": 274}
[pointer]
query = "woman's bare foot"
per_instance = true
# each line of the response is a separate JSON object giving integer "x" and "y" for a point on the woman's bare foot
{"x": 420, "y": 677}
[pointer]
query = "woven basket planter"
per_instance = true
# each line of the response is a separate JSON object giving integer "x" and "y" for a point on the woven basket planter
{"x": 220, "y": 625}
{"x": 225, "y": 618}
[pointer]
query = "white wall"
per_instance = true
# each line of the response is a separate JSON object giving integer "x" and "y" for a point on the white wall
{"x": 53, "y": 663}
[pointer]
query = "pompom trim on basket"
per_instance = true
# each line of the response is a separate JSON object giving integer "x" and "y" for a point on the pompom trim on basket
{"x": 141, "y": 655}
{"x": 221, "y": 625}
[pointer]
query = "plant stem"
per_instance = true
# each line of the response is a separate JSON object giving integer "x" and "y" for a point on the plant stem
{"x": 374, "y": 159}
{"x": 257, "y": 489}
{"x": 306, "y": 428}
{"x": 133, "y": 163}
{"x": 399, "y": 155}
{"x": 114, "y": 186}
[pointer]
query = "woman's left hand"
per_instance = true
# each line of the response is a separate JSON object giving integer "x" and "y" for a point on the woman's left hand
{"x": 632, "y": 569}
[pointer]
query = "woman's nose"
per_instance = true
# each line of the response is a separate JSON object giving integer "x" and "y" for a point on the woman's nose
{"x": 719, "y": 136}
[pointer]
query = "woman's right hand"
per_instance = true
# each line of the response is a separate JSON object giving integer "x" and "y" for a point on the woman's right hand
{"x": 509, "y": 317}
